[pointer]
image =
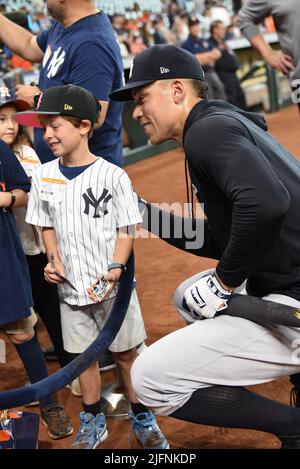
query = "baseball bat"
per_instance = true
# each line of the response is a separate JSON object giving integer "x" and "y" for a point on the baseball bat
{"x": 263, "y": 311}
{"x": 259, "y": 310}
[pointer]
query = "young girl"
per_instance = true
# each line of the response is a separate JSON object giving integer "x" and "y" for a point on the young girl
{"x": 17, "y": 318}
{"x": 45, "y": 296}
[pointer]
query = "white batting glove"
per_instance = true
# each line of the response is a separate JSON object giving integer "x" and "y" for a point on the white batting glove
{"x": 206, "y": 297}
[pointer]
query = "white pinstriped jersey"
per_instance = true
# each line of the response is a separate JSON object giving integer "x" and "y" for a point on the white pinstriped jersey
{"x": 85, "y": 213}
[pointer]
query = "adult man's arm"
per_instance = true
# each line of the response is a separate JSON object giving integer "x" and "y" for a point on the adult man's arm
{"x": 206, "y": 58}
{"x": 253, "y": 13}
{"x": 19, "y": 40}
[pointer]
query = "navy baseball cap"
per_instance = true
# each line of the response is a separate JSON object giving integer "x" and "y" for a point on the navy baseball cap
{"x": 160, "y": 62}
{"x": 7, "y": 98}
{"x": 67, "y": 100}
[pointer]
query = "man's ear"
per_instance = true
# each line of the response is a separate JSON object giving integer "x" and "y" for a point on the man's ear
{"x": 178, "y": 90}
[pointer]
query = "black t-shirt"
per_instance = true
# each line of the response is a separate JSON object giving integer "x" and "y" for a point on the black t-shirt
{"x": 250, "y": 187}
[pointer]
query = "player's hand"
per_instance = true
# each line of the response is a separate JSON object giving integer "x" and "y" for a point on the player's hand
{"x": 280, "y": 61}
{"x": 54, "y": 274}
{"x": 27, "y": 92}
{"x": 206, "y": 296}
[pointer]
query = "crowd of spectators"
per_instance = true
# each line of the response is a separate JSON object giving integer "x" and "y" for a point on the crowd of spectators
{"x": 137, "y": 30}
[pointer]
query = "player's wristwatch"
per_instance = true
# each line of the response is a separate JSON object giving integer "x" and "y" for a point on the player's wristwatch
{"x": 116, "y": 265}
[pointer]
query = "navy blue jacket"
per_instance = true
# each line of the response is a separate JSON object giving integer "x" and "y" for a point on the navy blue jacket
{"x": 249, "y": 185}
{"x": 15, "y": 288}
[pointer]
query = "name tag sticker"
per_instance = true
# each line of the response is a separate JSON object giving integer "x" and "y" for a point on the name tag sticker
{"x": 52, "y": 190}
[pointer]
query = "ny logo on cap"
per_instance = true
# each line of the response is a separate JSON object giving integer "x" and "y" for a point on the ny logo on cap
{"x": 164, "y": 70}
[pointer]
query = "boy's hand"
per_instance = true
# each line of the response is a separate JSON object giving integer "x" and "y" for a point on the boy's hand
{"x": 54, "y": 275}
{"x": 112, "y": 277}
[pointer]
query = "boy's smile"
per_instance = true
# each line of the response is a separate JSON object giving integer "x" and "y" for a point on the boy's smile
{"x": 64, "y": 138}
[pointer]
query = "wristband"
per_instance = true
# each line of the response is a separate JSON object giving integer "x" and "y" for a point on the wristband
{"x": 115, "y": 265}
{"x": 13, "y": 200}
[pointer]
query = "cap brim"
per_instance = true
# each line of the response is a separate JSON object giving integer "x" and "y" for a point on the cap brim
{"x": 19, "y": 104}
{"x": 125, "y": 93}
{"x": 31, "y": 118}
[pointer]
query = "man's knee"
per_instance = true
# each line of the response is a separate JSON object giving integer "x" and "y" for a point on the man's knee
{"x": 144, "y": 382}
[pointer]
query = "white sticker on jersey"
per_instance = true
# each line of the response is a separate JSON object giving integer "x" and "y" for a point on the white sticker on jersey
{"x": 52, "y": 191}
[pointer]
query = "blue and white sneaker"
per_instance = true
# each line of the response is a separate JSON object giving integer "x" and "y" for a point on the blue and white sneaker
{"x": 92, "y": 431}
{"x": 147, "y": 432}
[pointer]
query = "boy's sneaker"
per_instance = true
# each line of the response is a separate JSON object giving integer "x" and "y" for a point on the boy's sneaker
{"x": 56, "y": 421}
{"x": 92, "y": 431}
{"x": 147, "y": 432}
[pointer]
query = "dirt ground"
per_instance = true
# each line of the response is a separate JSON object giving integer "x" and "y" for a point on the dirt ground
{"x": 159, "y": 269}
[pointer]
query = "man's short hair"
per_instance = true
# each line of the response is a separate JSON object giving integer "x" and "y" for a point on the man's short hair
{"x": 200, "y": 87}
{"x": 214, "y": 25}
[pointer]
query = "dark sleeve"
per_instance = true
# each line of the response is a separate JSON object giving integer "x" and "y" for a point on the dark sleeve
{"x": 42, "y": 39}
{"x": 187, "y": 234}
{"x": 93, "y": 68}
{"x": 258, "y": 198}
{"x": 15, "y": 176}
{"x": 253, "y": 13}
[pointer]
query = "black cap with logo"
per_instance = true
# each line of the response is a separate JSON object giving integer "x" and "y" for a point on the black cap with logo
{"x": 160, "y": 62}
{"x": 67, "y": 100}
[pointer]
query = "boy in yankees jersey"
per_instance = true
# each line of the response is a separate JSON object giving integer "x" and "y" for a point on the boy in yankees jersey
{"x": 86, "y": 207}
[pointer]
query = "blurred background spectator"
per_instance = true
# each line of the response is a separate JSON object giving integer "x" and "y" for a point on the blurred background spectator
{"x": 207, "y": 54}
{"x": 227, "y": 65}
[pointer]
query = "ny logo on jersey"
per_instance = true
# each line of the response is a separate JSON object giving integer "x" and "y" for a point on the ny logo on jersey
{"x": 56, "y": 61}
{"x": 100, "y": 205}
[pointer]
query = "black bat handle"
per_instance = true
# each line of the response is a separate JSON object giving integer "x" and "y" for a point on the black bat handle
{"x": 262, "y": 311}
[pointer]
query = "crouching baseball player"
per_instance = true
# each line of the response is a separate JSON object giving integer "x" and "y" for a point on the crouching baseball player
{"x": 249, "y": 186}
